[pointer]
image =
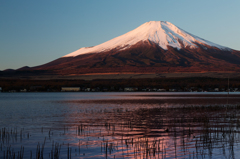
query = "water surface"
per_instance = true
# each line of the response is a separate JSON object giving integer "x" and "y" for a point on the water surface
{"x": 119, "y": 125}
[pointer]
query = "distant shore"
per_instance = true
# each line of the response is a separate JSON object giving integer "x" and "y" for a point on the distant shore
{"x": 169, "y": 82}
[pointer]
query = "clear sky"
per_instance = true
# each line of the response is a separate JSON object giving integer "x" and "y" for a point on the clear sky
{"x": 34, "y": 32}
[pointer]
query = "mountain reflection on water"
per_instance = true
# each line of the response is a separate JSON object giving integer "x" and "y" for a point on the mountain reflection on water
{"x": 127, "y": 125}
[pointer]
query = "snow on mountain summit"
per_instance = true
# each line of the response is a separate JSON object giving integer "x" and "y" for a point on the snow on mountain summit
{"x": 162, "y": 33}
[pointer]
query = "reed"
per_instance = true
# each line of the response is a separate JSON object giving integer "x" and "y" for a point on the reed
{"x": 164, "y": 132}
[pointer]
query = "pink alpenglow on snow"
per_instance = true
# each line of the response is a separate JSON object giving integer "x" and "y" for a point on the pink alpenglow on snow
{"x": 160, "y": 32}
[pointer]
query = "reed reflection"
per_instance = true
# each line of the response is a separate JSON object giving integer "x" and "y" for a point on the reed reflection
{"x": 165, "y": 132}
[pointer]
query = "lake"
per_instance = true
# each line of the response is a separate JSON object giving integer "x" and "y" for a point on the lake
{"x": 120, "y": 125}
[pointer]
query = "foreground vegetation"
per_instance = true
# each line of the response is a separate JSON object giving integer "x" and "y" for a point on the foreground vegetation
{"x": 160, "y": 132}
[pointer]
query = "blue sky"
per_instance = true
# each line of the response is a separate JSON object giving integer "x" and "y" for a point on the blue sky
{"x": 36, "y": 32}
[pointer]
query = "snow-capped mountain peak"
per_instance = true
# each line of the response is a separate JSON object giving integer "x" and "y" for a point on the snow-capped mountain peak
{"x": 162, "y": 33}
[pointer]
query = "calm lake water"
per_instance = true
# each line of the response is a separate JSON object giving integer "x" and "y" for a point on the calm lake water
{"x": 119, "y": 125}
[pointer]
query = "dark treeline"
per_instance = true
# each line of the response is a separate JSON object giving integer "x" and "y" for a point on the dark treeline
{"x": 204, "y": 83}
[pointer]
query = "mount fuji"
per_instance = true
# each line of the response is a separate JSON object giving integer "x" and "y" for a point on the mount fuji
{"x": 153, "y": 47}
